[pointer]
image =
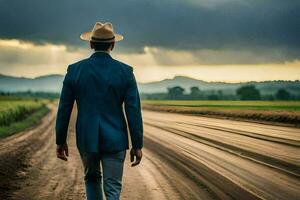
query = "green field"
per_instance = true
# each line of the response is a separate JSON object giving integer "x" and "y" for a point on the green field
{"x": 283, "y": 112}
{"x": 247, "y": 105}
{"x": 17, "y": 114}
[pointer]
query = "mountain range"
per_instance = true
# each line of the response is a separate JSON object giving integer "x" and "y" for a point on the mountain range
{"x": 49, "y": 83}
{"x": 53, "y": 83}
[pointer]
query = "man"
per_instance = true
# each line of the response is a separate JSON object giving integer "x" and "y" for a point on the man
{"x": 100, "y": 85}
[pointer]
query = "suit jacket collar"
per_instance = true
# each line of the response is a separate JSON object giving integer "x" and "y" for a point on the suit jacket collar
{"x": 100, "y": 54}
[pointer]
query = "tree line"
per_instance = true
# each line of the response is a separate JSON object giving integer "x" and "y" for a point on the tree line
{"x": 30, "y": 94}
{"x": 247, "y": 92}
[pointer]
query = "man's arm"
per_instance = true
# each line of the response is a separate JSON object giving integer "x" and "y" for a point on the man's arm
{"x": 134, "y": 118}
{"x": 63, "y": 117}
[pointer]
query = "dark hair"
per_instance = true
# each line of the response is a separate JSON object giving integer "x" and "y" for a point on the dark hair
{"x": 101, "y": 46}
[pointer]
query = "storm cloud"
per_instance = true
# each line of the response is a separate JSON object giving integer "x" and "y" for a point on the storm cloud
{"x": 266, "y": 28}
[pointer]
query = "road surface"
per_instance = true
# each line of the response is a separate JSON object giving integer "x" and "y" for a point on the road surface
{"x": 185, "y": 157}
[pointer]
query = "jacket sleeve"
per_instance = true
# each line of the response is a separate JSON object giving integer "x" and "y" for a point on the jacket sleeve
{"x": 133, "y": 112}
{"x": 64, "y": 110}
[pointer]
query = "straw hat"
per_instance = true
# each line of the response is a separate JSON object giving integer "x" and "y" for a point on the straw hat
{"x": 102, "y": 32}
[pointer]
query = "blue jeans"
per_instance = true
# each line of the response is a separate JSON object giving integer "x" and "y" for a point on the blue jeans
{"x": 112, "y": 170}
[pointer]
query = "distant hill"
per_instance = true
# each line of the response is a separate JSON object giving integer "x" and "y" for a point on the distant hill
{"x": 53, "y": 83}
{"x": 49, "y": 83}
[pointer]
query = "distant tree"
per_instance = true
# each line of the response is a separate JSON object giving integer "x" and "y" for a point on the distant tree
{"x": 220, "y": 92}
{"x": 195, "y": 91}
{"x": 268, "y": 97}
{"x": 175, "y": 92}
{"x": 213, "y": 97}
{"x": 283, "y": 94}
{"x": 248, "y": 92}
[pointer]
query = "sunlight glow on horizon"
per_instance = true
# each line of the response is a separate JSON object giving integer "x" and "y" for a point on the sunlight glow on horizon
{"x": 30, "y": 60}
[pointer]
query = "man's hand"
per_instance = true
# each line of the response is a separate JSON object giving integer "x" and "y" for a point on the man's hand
{"x": 62, "y": 152}
{"x": 138, "y": 154}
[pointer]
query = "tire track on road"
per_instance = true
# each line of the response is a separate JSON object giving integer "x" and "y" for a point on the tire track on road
{"x": 268, "y": 160}
{"x": 279, "y": 140}
{"x": 230, "y": 166}
{"x": 205, "y": 178}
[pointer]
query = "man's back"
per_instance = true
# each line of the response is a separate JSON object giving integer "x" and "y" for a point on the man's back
{"x": 100, "y": 85}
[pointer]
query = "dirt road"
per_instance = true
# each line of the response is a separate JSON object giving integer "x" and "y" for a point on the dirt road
{"x": 185, "y": 157}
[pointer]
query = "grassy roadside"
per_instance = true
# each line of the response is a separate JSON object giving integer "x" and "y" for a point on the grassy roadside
{"x": 282, "y": 112}
{"x": 17, "y": 115}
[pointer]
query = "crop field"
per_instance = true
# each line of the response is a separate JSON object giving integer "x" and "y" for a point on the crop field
{"x": 16, "y": 115}
{"x": 247, "y": 105}
{"x": 283, "y": 112}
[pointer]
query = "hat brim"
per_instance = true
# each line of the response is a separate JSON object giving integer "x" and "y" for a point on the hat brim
{"x": 87, "y": 36}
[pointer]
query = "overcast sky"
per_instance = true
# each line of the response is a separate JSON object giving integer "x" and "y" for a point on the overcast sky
{"x": 246, "y": 39}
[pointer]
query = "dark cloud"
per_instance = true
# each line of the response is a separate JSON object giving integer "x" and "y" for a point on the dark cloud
{"x": 249, "y": 25}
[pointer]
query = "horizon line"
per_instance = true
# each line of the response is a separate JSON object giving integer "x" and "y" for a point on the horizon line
{"x": 185, "y": 76}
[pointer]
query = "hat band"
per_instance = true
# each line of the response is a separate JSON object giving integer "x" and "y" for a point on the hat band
{"x": 102, "y": 39}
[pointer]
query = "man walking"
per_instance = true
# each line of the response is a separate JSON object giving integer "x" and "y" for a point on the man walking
{"x": 100, "y": 85}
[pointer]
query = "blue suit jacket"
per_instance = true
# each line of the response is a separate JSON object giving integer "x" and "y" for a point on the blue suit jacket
{"x": 100, "y": 85}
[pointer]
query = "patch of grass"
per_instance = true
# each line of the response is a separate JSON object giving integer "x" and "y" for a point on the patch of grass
{"x": 17, "y": 114}
{"x": 244, "y": 105}
{"x": 30, "y": 120}
{"x": 14, "y": 111}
